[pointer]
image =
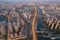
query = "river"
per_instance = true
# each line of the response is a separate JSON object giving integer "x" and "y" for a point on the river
{"x": 40, "y": 25}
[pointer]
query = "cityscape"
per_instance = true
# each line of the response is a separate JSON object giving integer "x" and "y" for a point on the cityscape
{"x": 29, "y": 20}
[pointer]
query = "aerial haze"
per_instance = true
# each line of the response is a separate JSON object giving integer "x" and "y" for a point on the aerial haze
{"x": 34, "y": 0}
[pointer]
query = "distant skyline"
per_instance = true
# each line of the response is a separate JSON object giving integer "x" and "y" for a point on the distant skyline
{"x": 34, "y": 0}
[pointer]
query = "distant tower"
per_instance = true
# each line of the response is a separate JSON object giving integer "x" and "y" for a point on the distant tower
{"x": 16, "y": 29}
{"x": 52, "y": 26}
{"x": 57, "y": 24}
{"x": 10, "y": 27}
{"x": 48, "y": 20}
{"x": 56, "y": 20}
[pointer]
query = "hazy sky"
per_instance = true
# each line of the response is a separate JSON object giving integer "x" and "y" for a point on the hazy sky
{"x": 31, "y": 0}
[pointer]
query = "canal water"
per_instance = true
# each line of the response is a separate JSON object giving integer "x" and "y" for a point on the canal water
{"x": 40, "y": 26}
{"x": 39, "y": 20}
